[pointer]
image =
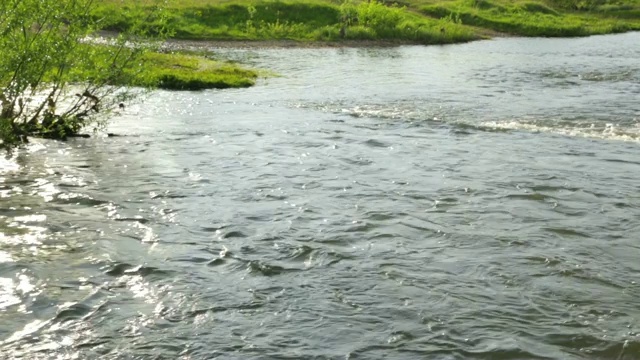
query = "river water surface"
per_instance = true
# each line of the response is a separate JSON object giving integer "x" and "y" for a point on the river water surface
{"x": 476, "y": 201}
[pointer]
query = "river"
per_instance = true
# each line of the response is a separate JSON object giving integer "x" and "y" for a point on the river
{"x": 474, "y": 201}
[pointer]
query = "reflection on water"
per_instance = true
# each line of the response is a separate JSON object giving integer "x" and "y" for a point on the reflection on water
{"x": 476, "y": 201}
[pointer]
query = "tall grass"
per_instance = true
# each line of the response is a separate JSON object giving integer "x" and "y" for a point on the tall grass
{"x": 298, "y": 20}
{"x": 374, "y": 20}
{"x": 418, "y": 21}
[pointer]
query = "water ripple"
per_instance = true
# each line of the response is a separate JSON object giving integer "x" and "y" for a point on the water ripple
{"x": 480, "y": 207}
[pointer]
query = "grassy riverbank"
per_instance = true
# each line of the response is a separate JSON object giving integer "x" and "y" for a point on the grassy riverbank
{"x": 552, "y": 18}
{"x": 176, "y": 71}
{"x": 170, "y": 70}
{"x": 309, "y": 20}
{"x": 413, "y": 21}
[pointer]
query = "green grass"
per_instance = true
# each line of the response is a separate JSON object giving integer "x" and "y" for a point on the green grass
{"x": 309, "y": 20}
{"x": 529, "y": 18}
{"x": 416, "y": 21}
{"x": 177, "y": 71}
{"x": 171, "y": 71}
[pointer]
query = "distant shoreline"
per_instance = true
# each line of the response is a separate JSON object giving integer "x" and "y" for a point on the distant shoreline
{"x": 180, "y": 44}
{"x": 186, "y": 44}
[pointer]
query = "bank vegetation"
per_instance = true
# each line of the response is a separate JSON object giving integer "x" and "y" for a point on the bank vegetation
{"x": 413, "y": 21}
{"x": 58, "y": 77}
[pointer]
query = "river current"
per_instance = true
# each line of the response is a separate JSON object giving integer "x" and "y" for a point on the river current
{"x": 474, "y": 201}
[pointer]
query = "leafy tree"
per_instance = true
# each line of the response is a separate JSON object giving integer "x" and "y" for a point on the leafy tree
{"x": 56, "y": 76}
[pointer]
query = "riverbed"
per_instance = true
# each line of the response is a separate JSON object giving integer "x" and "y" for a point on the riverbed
{"x": 474, "y": 201}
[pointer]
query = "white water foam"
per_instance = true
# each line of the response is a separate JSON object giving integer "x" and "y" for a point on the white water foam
{"x": 8, "y": 165}
{"x": 606, "y": 132}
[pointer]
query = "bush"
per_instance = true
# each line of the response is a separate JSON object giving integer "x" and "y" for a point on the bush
{"x": 53, "y": 82}
{"x": 376, "y": 16}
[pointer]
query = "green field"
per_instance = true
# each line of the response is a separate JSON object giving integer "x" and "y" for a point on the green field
{"x": 412, "y": 21}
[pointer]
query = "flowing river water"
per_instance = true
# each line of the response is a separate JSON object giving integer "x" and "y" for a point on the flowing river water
{"x": 475, "y": 201}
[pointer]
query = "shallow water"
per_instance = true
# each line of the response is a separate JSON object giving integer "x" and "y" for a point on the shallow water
{"x": 475, "y": 201}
